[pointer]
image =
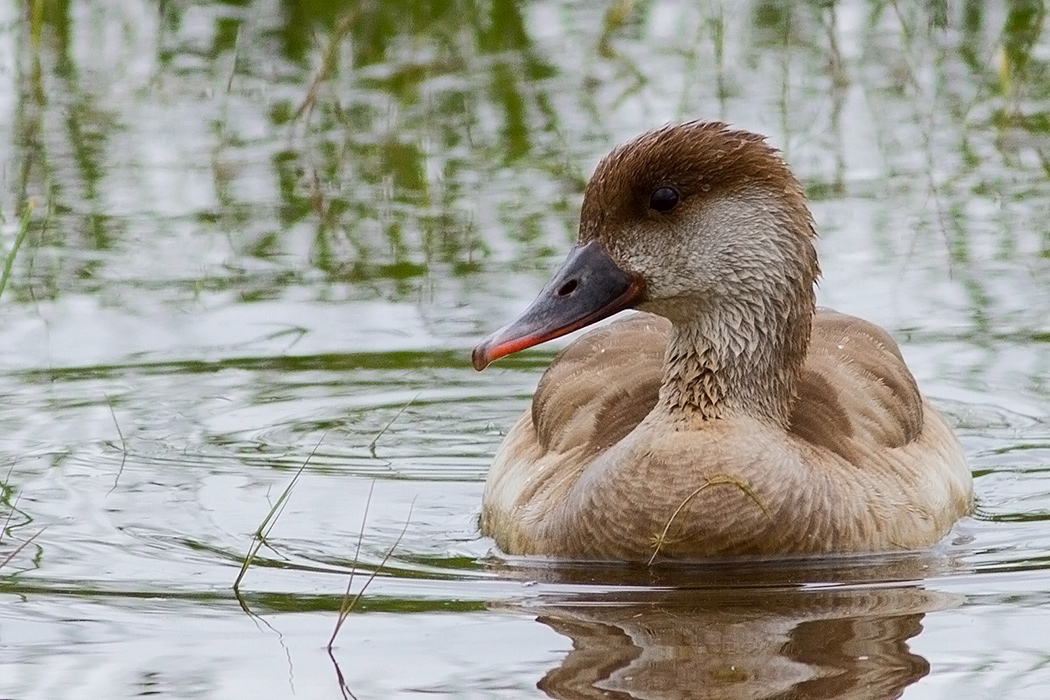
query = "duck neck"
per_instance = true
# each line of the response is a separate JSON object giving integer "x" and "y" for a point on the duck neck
{"x": 723, "y": 364}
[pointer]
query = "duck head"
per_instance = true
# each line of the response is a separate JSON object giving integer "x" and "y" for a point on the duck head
{"x": 696, "y": 222}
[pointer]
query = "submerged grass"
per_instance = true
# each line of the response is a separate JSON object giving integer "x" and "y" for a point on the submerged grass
{"x": 350, "y": 602}
{"x": 9, "y": 262}
{"x": 23, "y": 230}
{"x": 123, "y": 444}
{"x": 7, "y": 524}
{"x": 327, "y": 64}
{"x": 375, "y": 440}
{"x": 20, "y": 547}
{"x": 263, "y": 531}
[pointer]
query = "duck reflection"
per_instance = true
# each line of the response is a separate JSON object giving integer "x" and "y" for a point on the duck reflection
{"x": 743, "y": 643}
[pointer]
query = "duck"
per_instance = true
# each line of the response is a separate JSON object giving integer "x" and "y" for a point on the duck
{"x": 726, "y": 415}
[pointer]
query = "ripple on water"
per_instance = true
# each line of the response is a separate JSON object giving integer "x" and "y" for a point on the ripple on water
{"x": 220, "y": 296}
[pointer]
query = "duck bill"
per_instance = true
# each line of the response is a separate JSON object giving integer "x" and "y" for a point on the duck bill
{"x": 588, "y": 287}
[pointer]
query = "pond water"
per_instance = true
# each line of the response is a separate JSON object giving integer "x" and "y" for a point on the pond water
{"x": 267, "y": 234}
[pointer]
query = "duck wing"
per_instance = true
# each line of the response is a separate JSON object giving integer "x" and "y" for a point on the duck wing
{"x": 855, "y": 391}
{"x": 601, "y": 386}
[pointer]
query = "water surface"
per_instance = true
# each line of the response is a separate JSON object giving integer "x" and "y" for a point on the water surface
{"x": 268, "y": 234}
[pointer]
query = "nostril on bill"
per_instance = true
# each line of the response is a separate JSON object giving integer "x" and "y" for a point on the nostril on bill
{"x": 567, "y": 288}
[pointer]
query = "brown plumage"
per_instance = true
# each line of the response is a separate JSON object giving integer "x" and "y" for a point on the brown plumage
{"x": 743, "y": 421}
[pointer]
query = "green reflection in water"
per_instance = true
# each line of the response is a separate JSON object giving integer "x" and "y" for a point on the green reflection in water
{"x": 452, "y": 139}
{"x": 427, "y": 112}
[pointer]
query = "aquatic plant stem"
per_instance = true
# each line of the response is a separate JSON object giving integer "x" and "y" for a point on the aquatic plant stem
{"x": 23, "y": 229}
{"x": 20, "y": 547}
{"x": 348, "y": 602}
{"x": 123, "y": 445}
{"x": 263, "y": 531}
{"x": 327, "y": 64}
{"x": 372, "y": 445}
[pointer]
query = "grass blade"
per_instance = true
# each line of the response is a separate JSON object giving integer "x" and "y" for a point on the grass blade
{"x": 20, "y": 547}
{"x": 23, "y": 230}
{"x": 263, "y": 531}
{"x": 348, "y": 602}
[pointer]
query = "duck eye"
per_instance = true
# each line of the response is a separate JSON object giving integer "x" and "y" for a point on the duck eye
{"x": 663, "y": 199}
